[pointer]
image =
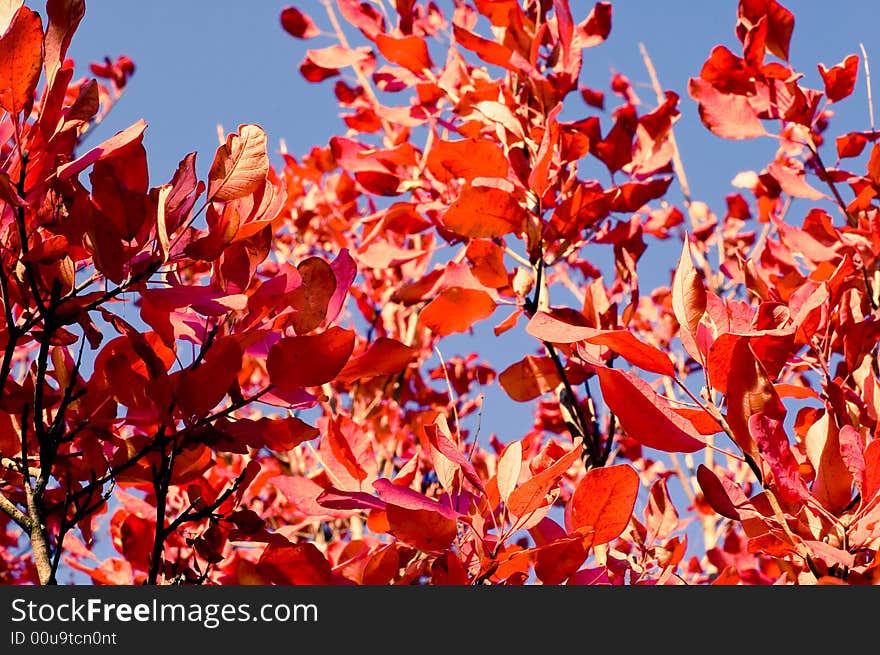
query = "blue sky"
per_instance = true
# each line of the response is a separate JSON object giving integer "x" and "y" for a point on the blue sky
{"x": 201, "y": 64}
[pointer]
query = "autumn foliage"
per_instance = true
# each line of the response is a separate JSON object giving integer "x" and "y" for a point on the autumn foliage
{"x": 243, "y": 379}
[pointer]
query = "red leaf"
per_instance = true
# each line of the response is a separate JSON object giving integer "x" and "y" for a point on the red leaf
{"x": 303, "y": 493}
{"x": 294, "y": 564}
{"x": 596, "y": 28}
{"x": 558, "y": 560}
{"x": 734, "y": 371}
{"x": 467, "y": 158}
{"x": 363, "y": 16}
{"x": 702, "y": 421}
{"x": 21, "y": 57}
{"x": 780, "y": 23}
{"x": 872, "y": 469}
{"x": 350, "y": 500}
{"x": 833, "y": 482}
{"x": 298, "y": 24}
{"x": 532, "y": 493}
{"x": 632, "y": 196}
{"x": 840, "y": 79}
{"x": 428, "y": 531}
{"x": 636, "y": 352}
{"x": 105, "y": 149}
{"x": 119, "y": 186}
{"x": 439, "y": 436}
{"x": 311, "y": 299}
{"x": 455, "y": 310}
{"x": 342, "y": 451}
{"x": 411, "y": 52}
{"x": 280, "y": 434}
{"x": 851, "y": 144}
{"x": 772, "y": 442}
{"x": 401, "y": 496}
{"x": 716, "y": 493}
{"x": 487, "y": 262}
{"x": 852, "y": 452}
{"x": 604, "y": 500}
{"x": 661, "y": 518}
{"x": 199, "y": 390}
{"x": 336, "y": 56}
{"x": 725, "y": 114}
{"x": 546, "y": 327}
{"x": 484, "y": 212}
{"x": 380, "y": 183}
{"x": 64, "y": 17}
{"x": 383, "y": 357}
{"x": 794, "y": 183}
{"x": 48, "y": 251}
{"x": 345, "y": 271}
{"x": 645, "y": 416}
{"x": 309, "y": 361}
{"x": 489, "y": 51}
{"x": 529, "y": 378}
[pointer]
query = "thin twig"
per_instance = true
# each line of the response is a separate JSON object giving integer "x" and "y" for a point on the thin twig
{"x": 868, "y": 85}
{"x": 451, "y": 395}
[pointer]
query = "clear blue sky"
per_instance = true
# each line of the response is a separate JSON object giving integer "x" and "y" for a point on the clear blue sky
{"x": 200, "y": 64}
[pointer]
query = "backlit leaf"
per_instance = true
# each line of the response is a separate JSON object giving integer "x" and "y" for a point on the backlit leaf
{"x": 644, "y": 415}
{"x": 529, "y": 378}
{"x": 21, "y": 58}
{"x": 455, "y": 310}
{"x": 484, "y": 212}
{"x": 311, "y": 360}
{"x": 531, "y": 494}
{"x": 725, "y": 114}
{"x": 604, "y": 500}
{"x": 240, "y": 165}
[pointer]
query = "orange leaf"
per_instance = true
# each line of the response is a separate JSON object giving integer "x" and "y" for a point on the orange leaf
{"x": 604, "y": 500}
{"x": 455, "y": 310}
{"x": 309, "y": 361}
{"x": 240, "y": 165}
{"x": 21, "y": 57}
{"x": 467, "y": 158}
{"x": 411, "y": 52}
{"x": 343, "y": 452}
{"x": 529, "y": 378}
{"x": 484, "y": 212}
{"x": 636, "y": 352}
{"x": 531, "y": 494}
{"x": 383, "y": 357}
{"x": 487, "y": 261}
{"x": 644, "y": 415}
